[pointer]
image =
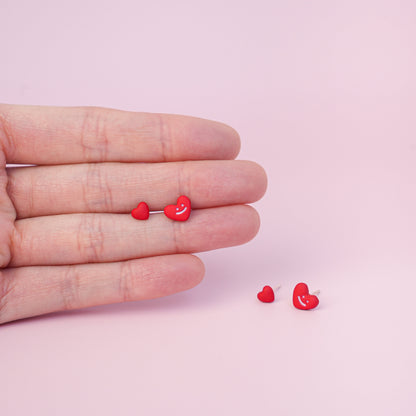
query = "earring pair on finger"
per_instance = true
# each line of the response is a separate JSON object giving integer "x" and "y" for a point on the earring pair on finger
{"x": 177, "y": 212}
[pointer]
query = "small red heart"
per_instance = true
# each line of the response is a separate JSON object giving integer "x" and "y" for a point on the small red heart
{"x": 266, "y": 295}
{"x": 141, "y": 212}
{"x": 180, "y": 211}
{"x": 302, "y": 299}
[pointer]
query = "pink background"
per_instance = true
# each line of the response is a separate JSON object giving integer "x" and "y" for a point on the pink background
{"x": 323, "y": 94}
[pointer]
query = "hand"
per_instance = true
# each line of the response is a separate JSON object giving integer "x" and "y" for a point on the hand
{"x": 67, "y": 239}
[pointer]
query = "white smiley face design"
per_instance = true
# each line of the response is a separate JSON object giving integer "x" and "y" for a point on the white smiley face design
{"x": 182, "y": 211}
{"x": 302, "y": 299}
{"x": 304, "y": 302}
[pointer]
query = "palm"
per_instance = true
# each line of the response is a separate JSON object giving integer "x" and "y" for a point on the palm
{"x": 66, "y": 241}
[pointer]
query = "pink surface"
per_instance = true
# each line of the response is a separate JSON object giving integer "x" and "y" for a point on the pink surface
{"x": 323, "y": 94}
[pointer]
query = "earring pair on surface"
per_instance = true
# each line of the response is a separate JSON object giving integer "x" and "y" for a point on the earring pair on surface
{"x": 301, "y": 298}
{"x": 179, "y": 212}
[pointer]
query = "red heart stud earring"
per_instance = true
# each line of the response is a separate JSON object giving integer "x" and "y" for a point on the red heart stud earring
{"x": 302, "y": 299}
{"x": 267, "y": 294}
{"x": 181, "y": 211}
{"x": 141, "y": 212}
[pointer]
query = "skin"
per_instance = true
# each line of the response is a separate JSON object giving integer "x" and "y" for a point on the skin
{"x": 67, "y": 239}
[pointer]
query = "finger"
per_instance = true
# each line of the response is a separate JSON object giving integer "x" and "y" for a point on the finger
{"x": 59, "y": 135}
{"x": 7, "y": 216}
{"x": 119, "y": 187}
{"x": 30, "y": 291}
{"x": 92, "y": 238}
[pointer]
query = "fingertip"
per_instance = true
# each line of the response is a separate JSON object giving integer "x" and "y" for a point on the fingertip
{"x": 256, "y": 181}
{"x": 232, "y": 145}
{"x": 194, "y": 138}
{"x": 220, "y": 140}
{"x": 185, "y": 272}
{"x": 198, "y": 269}
{"x": 253, "y": 226}
{"x": 263, "y": 180}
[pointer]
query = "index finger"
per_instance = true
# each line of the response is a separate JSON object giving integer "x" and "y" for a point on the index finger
{"x": 58, "y": 135}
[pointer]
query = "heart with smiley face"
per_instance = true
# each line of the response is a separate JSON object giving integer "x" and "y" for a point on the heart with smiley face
{"x": 302, "y": 299}
{"x": 181, "y": 211}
